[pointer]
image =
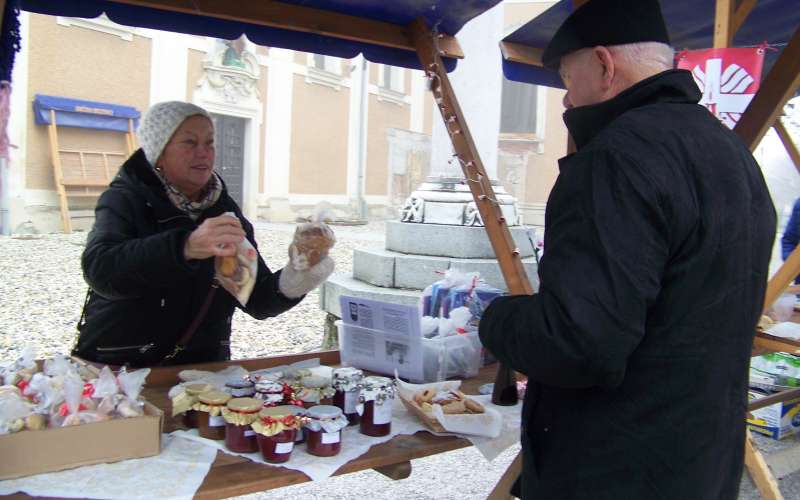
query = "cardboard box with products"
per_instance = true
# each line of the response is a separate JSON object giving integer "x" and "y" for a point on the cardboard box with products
{"x": 47, "y": 450}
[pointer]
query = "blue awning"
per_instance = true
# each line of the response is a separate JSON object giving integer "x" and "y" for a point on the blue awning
{"x": 446, "y": 16}
{"x": 690, "y": 24}
{"x": 83, "y": 114}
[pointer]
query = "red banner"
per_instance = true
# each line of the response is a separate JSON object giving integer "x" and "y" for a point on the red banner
{"x": 728, "y": 78}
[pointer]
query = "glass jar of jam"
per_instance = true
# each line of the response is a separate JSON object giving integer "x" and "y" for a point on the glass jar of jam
{"x": 238, "y": 415}
{"x": 270, "y": 391}
{"x": 210, "y": 422}
{"x": 275, "y": 429}
{"x": 300, "y": 413}
{"x": 377, "y": 398}
{"x": 191, "y": 392}
{"x": 240, "y": 387}
{"x": 324, "y": 430}
{"x": 314, "y": 390}
{"x": 347, "y": 384}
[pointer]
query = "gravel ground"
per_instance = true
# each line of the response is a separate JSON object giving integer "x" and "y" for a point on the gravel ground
{"x": 42, "y": 293}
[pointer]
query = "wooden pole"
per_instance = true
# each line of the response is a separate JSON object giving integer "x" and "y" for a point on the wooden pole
{"x": 776, "y": 89}
{"x": 477, "y": 179}
{"x": 58, "y": 174}
{"x": 723, "y": 20}
{"x": 788, "y": 143}
{"x": 759, "y": 471}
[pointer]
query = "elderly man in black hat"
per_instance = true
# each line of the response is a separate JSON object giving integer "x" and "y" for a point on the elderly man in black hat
{"x": 659, "y": 232}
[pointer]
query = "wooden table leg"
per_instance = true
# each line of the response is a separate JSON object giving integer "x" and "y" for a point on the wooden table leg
{"x": 502, "y": 490}
{"x": 395, "y": 471}
{"x": 759, "y": 471}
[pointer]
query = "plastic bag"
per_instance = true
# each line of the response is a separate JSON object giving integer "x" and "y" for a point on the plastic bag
{"x": 13, "y": 410}
{"x": 58, "y": 365}
{"x": 237, "y": 273}
{"x": 42, "y": 391}
{"x": 312, "y": 240}
{"x": 131, "y": 384}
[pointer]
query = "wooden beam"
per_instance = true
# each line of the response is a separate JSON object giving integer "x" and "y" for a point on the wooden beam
{"x": 740, "y": 16}
{"x": 782, "y": 278}
{"x": 502, "y": 490}
{"x": 304, "y": 19}
{"x": 788, "y": 143}
{"x": 759, "y": 471}
{"x": 764, "y": 343}
{"x": 2, "y": 11}
{"x": 779, "y": 397}
{"x": 508, "y": 256}
{"x": 779, "y": 85}
{"x": 723, "y": 21}
{"x": 516, "y": 52}
{"x": 395, "y": 471}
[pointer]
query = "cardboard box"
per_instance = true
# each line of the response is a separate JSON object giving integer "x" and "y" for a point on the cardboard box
{"x": 33, "y": 452}
{"x": 776, "y": 421}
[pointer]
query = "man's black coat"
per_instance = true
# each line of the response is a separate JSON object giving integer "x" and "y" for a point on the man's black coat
{"x": 143, "y": 293}
{"x": 658, "y": 238}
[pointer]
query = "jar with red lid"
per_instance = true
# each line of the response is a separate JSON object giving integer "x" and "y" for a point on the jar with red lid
{"x": 347, "y": 384}
{"x": 377, "y": 398}
{"x": 239, "y": 414}
{"x": 210, "y": 422}
{"x": 275, "y": 431}
{"x": 184, "y": 401}
{"x": 324, "y": 430}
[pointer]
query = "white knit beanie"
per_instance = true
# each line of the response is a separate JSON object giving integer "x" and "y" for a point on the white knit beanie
{"x": 160, "y": 123}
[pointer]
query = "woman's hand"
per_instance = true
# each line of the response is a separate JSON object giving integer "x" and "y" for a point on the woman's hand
{"x": 218, "y": 236}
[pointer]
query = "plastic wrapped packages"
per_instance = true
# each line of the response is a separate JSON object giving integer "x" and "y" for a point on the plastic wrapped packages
{"x": 58, "y": 365}
{"x": 42, "y": 391}
{"x": 312, "y": 240}
{"x": 14, "y": 410}
{"x": 22, "y": 369}
{"x": 131, "y": 384}
{"x": 237, "y": 274}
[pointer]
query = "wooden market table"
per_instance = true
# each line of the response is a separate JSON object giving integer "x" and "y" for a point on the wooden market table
{"x": 232, "y": 475}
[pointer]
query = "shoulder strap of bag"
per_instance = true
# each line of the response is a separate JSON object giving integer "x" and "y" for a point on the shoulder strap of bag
{"x": 195, "y": 324}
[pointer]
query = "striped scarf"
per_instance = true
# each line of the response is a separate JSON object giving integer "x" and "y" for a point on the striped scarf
{"x": 193, "y": 209}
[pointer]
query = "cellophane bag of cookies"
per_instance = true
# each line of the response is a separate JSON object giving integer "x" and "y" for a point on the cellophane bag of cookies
{"x": 237, "y": 274}
{"x": 312, "y": 240}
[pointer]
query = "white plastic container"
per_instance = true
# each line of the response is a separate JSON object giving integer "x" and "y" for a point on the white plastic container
{"x": 418, "y": 360}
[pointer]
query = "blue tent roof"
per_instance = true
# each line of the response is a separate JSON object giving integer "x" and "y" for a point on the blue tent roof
{"x": 446, "y": 16}
{"x": 83, "y": 114}
{"x": 690, "y": 24}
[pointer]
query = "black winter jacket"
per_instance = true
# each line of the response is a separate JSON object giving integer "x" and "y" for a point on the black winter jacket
{"x": 637, "y": 346}
{"x": 143, "y": 293}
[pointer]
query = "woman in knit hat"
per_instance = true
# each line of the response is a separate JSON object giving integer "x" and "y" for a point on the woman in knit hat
{"x": 150, "y": 257}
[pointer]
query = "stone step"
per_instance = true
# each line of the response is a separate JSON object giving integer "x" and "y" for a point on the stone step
{"x": 341, "y": 284}
{"x": 442, "y": 240}
{"x": 386, "y": 268}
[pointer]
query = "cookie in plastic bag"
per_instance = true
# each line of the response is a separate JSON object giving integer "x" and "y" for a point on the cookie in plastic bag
{"x": 237, "y": 273}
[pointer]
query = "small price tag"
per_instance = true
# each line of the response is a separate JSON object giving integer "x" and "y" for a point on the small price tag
{"x": 248, "y": 434}
{"x": 284, "y": 448}
{"x": 350, "y": 401}
{"x": 217, "y": 421}
{"x": 382, "y": 414}
{"x": 331, "y": 437}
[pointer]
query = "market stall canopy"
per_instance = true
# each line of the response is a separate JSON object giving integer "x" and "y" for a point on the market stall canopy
{"x": 690, "y": 24}
{"x": 341, "y": 28}
{"x": 83, "y": 114}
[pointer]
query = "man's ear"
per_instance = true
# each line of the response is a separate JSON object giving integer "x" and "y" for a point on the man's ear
{"x": 603, "y": 56}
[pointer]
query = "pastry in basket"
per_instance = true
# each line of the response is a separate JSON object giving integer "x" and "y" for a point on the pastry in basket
{"x": 452, "y": 402}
